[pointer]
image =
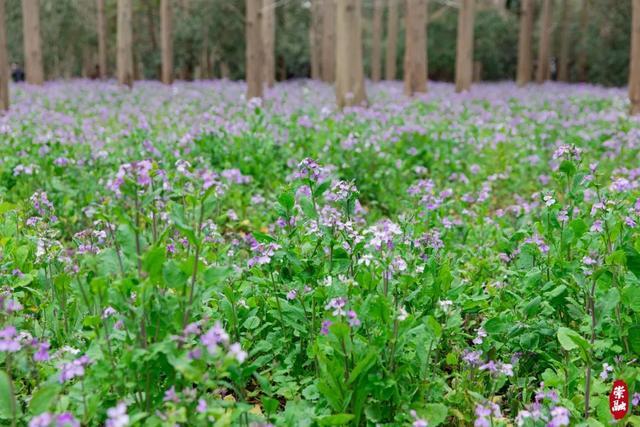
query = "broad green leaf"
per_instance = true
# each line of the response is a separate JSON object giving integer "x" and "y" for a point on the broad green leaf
{"x": 8, "y": 404}
{"x": 43, "y": 398}
{"x": 335, "y": 420}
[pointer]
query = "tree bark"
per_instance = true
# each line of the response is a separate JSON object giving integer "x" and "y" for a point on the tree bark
{"x": 102, "y": 40}
{"x": 4, "y": 61}
{"x": 349, "y": 70}
{"x": 464, "y": 49}
{"x": 634, "y": 68}
{"x": 415, "y": 56}
{"x": 124, "y": 61}
{"x": 315, "y": 39}
{"x": 269, "y": 39}
{"x": 328, "y": 67}
{"x": 563, "y": 62}
{"x": 32, "y": 44}
{"x": 254, "y": 56}
{"x": 166, "y": 41}
{"x": 392, "y": 40}
{"x": 525, "y": 65}
{"x": 545, "y": 40}
{"x": 376, "y": 41}
{"x": 581, "y": 65}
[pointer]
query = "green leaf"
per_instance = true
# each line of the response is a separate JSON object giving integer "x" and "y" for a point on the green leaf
{"x": 631, "y": 297}
{"x": 567, "y": 167}
{"x": 633, "y": 260}
{"x": 363, "y": 365}
{"x": 634, "y": 338}
{"x": 153, "y": 262}
{"x": 287, "y": 201}
{"x": 435, "y": 413}
{"x": 571, "y": 340}
{"x": 43, "y": 398}
{"x": 335, "y": 420}
{"x": 496, "y": 325}
{"x": 7, "y": 399}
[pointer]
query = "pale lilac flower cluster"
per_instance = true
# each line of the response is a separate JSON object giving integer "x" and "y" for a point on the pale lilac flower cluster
{"x": 486, "y": 413}
{"x": 47, "y": 419}
{"x": 138, "y": 172}
{"x": 215, "y": 337}
{"x": 544, "y": 409}
{"x": 73, "y": 369}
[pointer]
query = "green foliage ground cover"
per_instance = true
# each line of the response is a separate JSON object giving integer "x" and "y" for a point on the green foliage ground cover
{"x": 179, "y": 256}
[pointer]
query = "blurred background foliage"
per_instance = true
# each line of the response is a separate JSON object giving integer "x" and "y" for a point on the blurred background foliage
{"x": 209, "y": 38}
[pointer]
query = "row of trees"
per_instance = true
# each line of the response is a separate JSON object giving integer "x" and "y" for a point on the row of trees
{"x": 335, "y": 44}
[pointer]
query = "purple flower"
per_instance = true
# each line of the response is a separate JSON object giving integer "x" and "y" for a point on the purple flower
{"x": 635, "y": 399}
{"x": 337, "y": 305}
{"x": 73, "y": 369}
{"x": 214, "y": 336}
{"x": 353, "y": 319}
{"x": 418, "y": 422}
{"x": 8, "y": 340}
{"x": 171, "y": 395}
{"x": 596, "y": 227}
{"x": 117, "y": 416}
{"x": 42, "y": 352}
{"x": 43, "y": 420}
{"x": 291, "y": 295}
{"x": 235, "y": 351}
{"x": 66, "y": 419}
{"x": 202, "y": 406}
{"x": 560, "y": 417}
{"x": 324, "y": 330}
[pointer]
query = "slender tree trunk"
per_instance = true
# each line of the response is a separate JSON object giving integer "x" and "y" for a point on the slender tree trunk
{"x": 125, "y": 43}
{"x": 525, "y": 69}
{"x": 32, "y": 44}
{"x": 269, "y": 39}
{"x": 102, "y": 40}
{"x": 545, "y": 40}
{"x": 315, "y": 39}
{"x": 328, "y": 67}
{"x": 415, "y": 56}
{"x": 166, "y": 41}
{"x": 634, "y": 68}
{"x": 464, "y": 49}
{"x": 392, "y": 40}
{"x": 254, "y": 60}
{"x": 376, "y": 41}
{"x": 584, "y": 44}
{"x": 563, "y": 63}
{"x": 349, "y": 69}
{"x": 4, "y": 61}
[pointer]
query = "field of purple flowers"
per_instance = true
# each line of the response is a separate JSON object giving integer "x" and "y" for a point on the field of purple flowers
{"x": 179, "y": 256}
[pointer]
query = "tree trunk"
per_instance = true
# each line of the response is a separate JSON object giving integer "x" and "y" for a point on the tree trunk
{"x": 525, "y": 68}
{"x": 349, "y": 70}
{"x": 4, "y": 61}
{"x": 125, "y": 43}
{"x": 392, "y": 40}
{"x": 269, "y": 39}
{"x": 545, "y": 40}
{"x": 376, "y": 48}
{"x": 634, "y": 68}
{"x": 464, "y": 49}
{"x": 563, "y": 63}
{"x": 254, "y": 56}
{"x": 415, "y": 55}
{"x": 584, "y": 47}
{"x": 328, "y": 67}
{"x": 32, "y": 45}
{"x": 315, "y": 39}
{"x": 166, "y": 41}
{"x": 102, "y": 40}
